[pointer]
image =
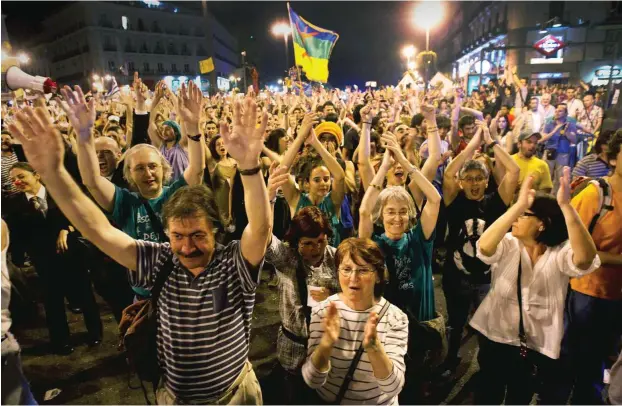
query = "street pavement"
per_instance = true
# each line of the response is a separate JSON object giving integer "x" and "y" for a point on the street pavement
{"x": 99, "y": 375}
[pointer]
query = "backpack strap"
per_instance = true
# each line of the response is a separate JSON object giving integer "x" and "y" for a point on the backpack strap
{"x": 605, "y": 201}
{"x": 301, "y": 279}
{"x": 156, "y": 223}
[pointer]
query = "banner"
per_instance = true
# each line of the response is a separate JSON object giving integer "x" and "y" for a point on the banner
{"x": 206, "y": 65}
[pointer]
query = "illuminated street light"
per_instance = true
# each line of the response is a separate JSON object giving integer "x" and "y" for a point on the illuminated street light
{"x": 409, "y": 51}
{"x": 280, "y": 81}
{"x": 427, "y": 14}
{"x": 283, "y": 29}
{"x": 23, "y": 58}
{"x": 232, "y": 78}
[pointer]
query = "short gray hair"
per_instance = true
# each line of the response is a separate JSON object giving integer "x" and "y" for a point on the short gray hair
{"x": 474, "y": 165}
{"x": 400, "y": 194}
{"x": 167, "y": 171}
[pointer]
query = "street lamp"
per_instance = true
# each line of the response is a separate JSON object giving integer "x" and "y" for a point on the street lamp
{"x": 244, "y": 68}
{"x": 409, "y": 51}
{"x": 426, "y": 15}
{"x": 280, "y": 81}
{"x": 23, "y": 58}
{"x": 283, "y": 29}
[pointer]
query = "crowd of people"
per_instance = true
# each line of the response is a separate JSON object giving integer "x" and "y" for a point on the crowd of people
{"x": 352, "y": 201}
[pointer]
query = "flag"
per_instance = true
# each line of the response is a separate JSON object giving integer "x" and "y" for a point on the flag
{"x": 114, "y": 89}
{"x": 206, "y": 65}
{"x": 312, "y": 46}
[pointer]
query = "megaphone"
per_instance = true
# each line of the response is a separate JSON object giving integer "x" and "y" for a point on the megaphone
{"x": 18, "y": 79}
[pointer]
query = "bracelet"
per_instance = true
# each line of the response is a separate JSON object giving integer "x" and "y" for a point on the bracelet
{"x": 432, "y": 128}
{"x": 376, "y": 186}
{"x": 366, "y": 122}
{"x": 250, "y": 172}
{"x": 195, "y": 137}
{"x": 413, "y": 170}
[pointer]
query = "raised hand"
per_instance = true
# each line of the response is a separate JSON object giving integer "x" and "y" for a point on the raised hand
{"x": 370, "y": 338}
{"x": 189, "y": 107}
{"x": 245, "y": 142}
{"x": 391, "y": 144}
{"x": 81, "y": 113}
{"x": 141, "y": 91}
{"x": 332, "y": 325}
{"x": 368, "y": 113}
{"x": 526, "y": 194}
{"x": 279, "y": 175}
{"x": 309, "y": 121}
{"x": 42, "y": 143}
{"x": 563, "y": 193}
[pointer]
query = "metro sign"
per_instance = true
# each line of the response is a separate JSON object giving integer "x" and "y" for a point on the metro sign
{"x": 549, "y": 45}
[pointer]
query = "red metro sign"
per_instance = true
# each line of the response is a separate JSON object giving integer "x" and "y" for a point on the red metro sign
{"x": 549, "y": 45}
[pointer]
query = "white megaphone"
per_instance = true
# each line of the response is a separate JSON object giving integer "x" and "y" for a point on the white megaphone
{"x": 18, "y": 79}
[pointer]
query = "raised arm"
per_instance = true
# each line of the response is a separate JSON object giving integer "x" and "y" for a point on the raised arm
{"x": 430, "y": 211}
{"x": 450, "y": 183}
{"x": 455, "y": 116}
{"x": 434, "y": 152}
{"x": 580, "y": 239}
{"x": 244, "y": 144}
{"x": 82, "y": 117}
{"x": 44, "y": 149}
{"x": 366, "y": 224}
{"x": 366, "y": 169}
{"x": 189, "y": 107}
{"x": 507, "y": 187}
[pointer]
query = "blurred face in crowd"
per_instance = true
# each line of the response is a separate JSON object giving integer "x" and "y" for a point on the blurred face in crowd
{"x": 312, "y": 249}
{"x": 396, "y": 176}
{"x": 221, "y": 149}
{"x": 443, "y": 105}
{"x": 474, "y": 183}
{"x": 167, "y": 134}
{"x": 560, "y": 112}
{"x": 210, "y": 111}
{"x": 357, "y": 280}
{"x": 284, "y": 144}
{"x": 526, "y": 226}
{"x": 442, "y": 132}
{"x": 395, "y": 218}
{"x": 523, "y": 82}
{"x": 469, "y": 131}
{"x": 108, "y": 155}
{"x": 292, "y": 121}
{"x": 7, "y": 142}
{"x": 299, "y": 114}
{"x": 546, "y": 99}
{"x": 570, "y": 93}
{"x": 319, "y": 182}
{"x": 508, "y": 91}
{"x": 588, "y": 101}
{"x": 528, "y": 147}
{"x": 25, "y": 181}
{"x": 192, "y": 240}
{"x": 504, "y": 110}
{"x": 502, "y": 123}
{"x": 328, "y": 109}
{"x": 533, "y": 104}
{"x": 400, "y": 132}
{"x": 146, "y": 172}
{"x": 329, "y": 141}
{"x": 211, "y": 130}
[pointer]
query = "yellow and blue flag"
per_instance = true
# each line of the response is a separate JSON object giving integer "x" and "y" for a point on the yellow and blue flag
{"x": 312, "y": 47}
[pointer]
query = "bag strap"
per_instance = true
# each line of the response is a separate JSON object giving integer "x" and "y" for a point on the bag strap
{"x": 605, "y": 203}
{"x": 356, "y": 359}
{"x": 161, "y": 278}
{"x": 521, "y": 326}
{"x": 156, "y": 223}
{"x": 302, "y": 290}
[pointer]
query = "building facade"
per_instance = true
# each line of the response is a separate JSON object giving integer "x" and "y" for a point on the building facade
{"x": 583, "y": 41}
{"x": 158, "y": 40}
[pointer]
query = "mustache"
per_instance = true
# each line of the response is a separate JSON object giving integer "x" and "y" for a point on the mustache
{"x": 193, "y": 254}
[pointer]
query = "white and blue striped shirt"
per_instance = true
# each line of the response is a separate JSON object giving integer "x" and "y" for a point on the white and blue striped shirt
{"x": 204, "y": 322}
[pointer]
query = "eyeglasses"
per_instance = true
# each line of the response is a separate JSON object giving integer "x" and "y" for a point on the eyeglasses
{"x": 362, "y": 272}
{"x": 394, "y": 214}
{"x": 307, "y": 245}
{"x": 142, "y": 168}
{"x": 527, "y": 214}
{"x": 478, "y": 179}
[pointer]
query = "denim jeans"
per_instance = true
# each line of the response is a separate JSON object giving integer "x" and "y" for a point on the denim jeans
{"x": 592, "y": 328}
{"x": 15, "y": 386}
{"x": 460, "y": 295}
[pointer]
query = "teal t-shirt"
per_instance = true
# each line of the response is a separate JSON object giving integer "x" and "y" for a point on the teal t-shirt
{"x": 409, "y": 261}
{"x": 328, "y": 208}
{"x": 132, "y": 217}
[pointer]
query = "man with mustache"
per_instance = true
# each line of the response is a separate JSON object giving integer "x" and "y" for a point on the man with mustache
{"x": 206, "y": 304}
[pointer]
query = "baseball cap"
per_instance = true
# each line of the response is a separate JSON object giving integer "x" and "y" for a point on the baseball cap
{"x": 526, "y": 135}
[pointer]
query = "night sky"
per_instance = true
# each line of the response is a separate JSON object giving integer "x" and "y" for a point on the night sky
{"x": 371, "y": 34}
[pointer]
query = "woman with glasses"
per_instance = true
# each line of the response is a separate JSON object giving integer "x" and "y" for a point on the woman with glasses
{"x": 471, "y": 207}
{"x": 407, "y": 246}
{"x": 521, "y": 320}
{"x": 305, "y": 265}
{"x": 353, "y": 319}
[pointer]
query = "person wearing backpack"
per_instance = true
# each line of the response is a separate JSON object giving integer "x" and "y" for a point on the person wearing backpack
{"x": 470, "y": 210}
{"x": 593, "y": 319}
{"x": 205, "y": 307}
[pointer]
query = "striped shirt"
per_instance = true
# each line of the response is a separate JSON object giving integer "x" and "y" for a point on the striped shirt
{"x": 365, "y": 388}
{"x": 591, "y": 166}
{"x": 204, "y": 322}
{"x": 7, "y": 186}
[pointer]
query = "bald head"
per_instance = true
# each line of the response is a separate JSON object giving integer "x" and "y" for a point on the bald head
{"x": 108, "y": 155}
{"x": 107, "y": 143}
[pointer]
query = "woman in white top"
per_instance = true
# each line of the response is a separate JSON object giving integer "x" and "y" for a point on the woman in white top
{"x": 548, "y": 244}
{"x": 345, "y": 321}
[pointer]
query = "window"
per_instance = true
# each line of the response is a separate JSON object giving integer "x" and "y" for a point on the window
{"x": 160, "y": 67}
{"x": 124, "y": 22}
{"x": 174, "y": 68}
{"x": 186, "y": 68}
{"x": 111, "y": 65}
{"x": 146, "y": 66}
{"x": 130, "y": 67}
{"x": 141, "y": 25}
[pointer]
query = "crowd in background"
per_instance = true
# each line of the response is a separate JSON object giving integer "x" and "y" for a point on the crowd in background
{"x": 513, "y": 193}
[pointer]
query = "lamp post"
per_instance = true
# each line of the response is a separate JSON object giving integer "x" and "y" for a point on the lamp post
{"x": 409, "y": 51}
{"x": 244, "y": 69}
{"x": 283, "y": 29}
{"x": 427, "y": 14}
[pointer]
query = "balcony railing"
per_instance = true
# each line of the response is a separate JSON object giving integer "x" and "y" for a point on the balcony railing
{"x": 130, "y": 49}
{"x": 159, "y": 51}
{"x": 110, "y": 48}
{"x": 70, "y": 54}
